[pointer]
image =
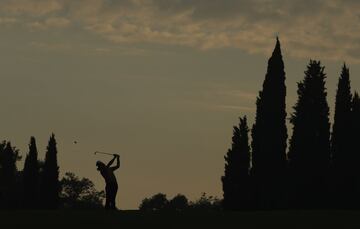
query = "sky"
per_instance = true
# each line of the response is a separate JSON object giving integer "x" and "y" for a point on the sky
{"x": 161, "y": 82}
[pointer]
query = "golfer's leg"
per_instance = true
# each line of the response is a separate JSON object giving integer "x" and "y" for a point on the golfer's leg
{"x": 113, "y": 196}
{"x": 108, "y": 197}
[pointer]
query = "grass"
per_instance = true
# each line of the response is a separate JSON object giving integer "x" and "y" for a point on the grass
{"x": 135, "y": 219}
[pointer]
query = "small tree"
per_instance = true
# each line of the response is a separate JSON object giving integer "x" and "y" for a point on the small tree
{"x": 156, "y": 202}
{"x": 178, "y": 203}
{"x": 79, "y": 193}
{"x": 206, "y": 203}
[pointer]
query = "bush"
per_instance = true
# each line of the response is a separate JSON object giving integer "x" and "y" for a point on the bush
{"x": 79, "y": 193}
{"x": 206, "y": 203}
{"x": 156, "y": 202}
{"x": 179, "y": 203}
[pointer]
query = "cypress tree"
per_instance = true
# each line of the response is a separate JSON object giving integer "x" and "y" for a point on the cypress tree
{"x": 8, "y": 163}
{"x": 341, "y": 143}
{"x": 340, "y": 134}
{"x": 355, "y": 150}
{"x": 269, "y": 136}
{"x": 8, "y": 175}
{"x": 31, "y": 176}
{"x": 309, "y": 152}
{"x": 50, "y": 186}
{"x": 235, "y": 182}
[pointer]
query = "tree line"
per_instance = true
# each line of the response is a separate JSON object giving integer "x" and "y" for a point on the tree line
{"x": 38, "y": 185}
{"x": 319, "y": 168}
{"x": 160, "y": 202}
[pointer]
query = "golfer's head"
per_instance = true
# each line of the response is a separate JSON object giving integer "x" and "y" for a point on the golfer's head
{"x": 100, "y": 165}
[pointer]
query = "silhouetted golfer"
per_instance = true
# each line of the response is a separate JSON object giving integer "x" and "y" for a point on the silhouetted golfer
{"x": 111, "y": 184}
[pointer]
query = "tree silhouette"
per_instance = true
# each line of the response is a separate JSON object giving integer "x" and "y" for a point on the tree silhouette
{"x": 309, "y": 152}
{"x": 355, "y": 151}
{"x": 50, "y": 186}
{"x": 154, "y": 203}
{"x": 31, "y": 176}
{"x": 178, "y": 203}
{"x": 269, "y": 135}
{"x": 206, "y": 203}
{"x": 8, "y": 175}
{"x": 79, "y": 193}
{"x": 236, "y": 182}
{"x": 342, "y": 171}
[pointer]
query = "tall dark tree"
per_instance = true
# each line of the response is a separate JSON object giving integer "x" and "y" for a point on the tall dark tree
{"x": 355, "y": 152}
{"x": 309, "y": 152}
{"x": 7, "y": 162}
{"x": 236, "y": 182}
{"x": 340, "y": 134}
{"x": 31, "y": 176}
{"x": 269, "y": 136}
{"x": 341, "y": 144}
{"x": 50, "y": 186}
{"x": 8, "y": 175}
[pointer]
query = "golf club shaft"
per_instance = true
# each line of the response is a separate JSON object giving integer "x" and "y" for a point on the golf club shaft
{"x": 97, "y": 152}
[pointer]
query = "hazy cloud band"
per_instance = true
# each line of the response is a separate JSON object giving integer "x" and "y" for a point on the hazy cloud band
{"x": 328, "y": 29}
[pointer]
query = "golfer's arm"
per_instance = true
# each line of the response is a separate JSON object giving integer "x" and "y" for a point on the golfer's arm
{"x": 110, "y": 162}
{"x": 117, "y": 164}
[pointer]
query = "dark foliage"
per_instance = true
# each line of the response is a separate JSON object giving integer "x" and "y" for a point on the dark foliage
{"x": 79, "y": 193}
{"x": 343, "y": 168}
{"x": 340, "y": 134}
{"x": 236, "y": 181}
{"x": 206, "y": 203}
{"x": 269, "y": 136}
{"x": 38, "y": 186}
{"x": 178, "y": 203}
{"x": 159, "y": 202}
{"x": 50, "y": 186}
{"x": 31, "y": 177}
{"x": 154, "y": 203}
{"x": 355, "y": 153}
{"x": 309, "y": 153}
{"x": 9, "y": 176}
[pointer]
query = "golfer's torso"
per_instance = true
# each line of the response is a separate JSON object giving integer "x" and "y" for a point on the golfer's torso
{"x": 109, "y": 176}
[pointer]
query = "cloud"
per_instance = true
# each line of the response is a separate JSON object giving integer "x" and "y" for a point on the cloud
{"x": 50, "y": 46}
{"x": 234, "y": 107}
{"x": 6, "y": 20}
{"x": 53, "y": 22}
{"x": 30, "y": 7}
{"x": 127, "y": 51}
{"x": 237, "y": 94}
{"x": 326, "y": 29}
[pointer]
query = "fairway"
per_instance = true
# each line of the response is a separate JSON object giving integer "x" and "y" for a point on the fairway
{"x": 136, "y": 219}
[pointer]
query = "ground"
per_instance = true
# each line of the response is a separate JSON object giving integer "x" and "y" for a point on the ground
{"x": 135, "y": 219}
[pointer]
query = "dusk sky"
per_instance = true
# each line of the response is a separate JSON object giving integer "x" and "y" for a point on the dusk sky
{"x": 161, "y": 82}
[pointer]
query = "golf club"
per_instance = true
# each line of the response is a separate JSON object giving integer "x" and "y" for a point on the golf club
{"x": 98, "y": 152}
